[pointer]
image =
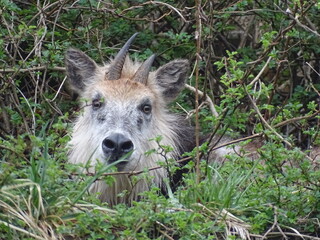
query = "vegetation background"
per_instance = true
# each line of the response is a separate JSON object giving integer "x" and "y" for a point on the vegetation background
{"x": 256, "y": 65}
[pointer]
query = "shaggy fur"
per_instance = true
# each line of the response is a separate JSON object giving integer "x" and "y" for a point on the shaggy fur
{"x": 120, "y": 113}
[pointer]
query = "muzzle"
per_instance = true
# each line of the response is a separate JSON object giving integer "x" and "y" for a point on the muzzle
{"x": 116, "y": 146}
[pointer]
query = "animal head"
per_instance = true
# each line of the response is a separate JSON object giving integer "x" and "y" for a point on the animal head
{"x": 127, "y": 107}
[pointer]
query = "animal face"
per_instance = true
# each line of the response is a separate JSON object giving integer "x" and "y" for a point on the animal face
{"x": 127, "y": 108}
{"x": 125, "y": 118}
{"x": 121, "y": 118}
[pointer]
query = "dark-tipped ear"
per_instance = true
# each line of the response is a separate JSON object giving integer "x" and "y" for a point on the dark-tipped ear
{"x": 171, "y": 78}
{"x": 80, "y": 69}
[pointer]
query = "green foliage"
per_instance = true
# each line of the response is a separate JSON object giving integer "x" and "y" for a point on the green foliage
{"x": 259, "y": 67}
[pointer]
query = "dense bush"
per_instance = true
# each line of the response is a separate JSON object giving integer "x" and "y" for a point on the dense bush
{"x": 257, "y": 66}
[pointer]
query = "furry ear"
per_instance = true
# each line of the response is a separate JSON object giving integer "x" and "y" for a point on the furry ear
{"x": 80, "y": 69}
{"x": 171, "y": 78}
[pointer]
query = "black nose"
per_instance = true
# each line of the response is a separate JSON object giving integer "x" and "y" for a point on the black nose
{"x": 116, "y": 145}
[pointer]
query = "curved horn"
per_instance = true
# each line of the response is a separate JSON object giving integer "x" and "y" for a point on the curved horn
{"x": 117, "y": 65}
{"x": 143, "y": 71}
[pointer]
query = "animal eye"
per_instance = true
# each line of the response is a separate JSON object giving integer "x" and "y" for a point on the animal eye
{"x": 96, "y": 103}
{"x": 146, "y": 108}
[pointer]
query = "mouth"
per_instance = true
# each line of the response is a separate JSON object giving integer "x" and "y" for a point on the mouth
{"x": 119, "y": 161}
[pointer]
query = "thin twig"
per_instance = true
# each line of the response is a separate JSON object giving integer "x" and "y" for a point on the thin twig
{"x": 297, "y": 21}
{"x": 38, "y": 68}
{"x": 130, "y": 173}
{"x": 274, "y": 234}
{"x": 296, "y": 119}
{"x": 171, "y": 7}
{"x": 310, "y": 80}
{"x": 261, "y": 71}
{"x": 198, "y": 59}
{"x": 54, "y": 98}
{"x": 208, "y": 99}
{"x": 255, "y": 107}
